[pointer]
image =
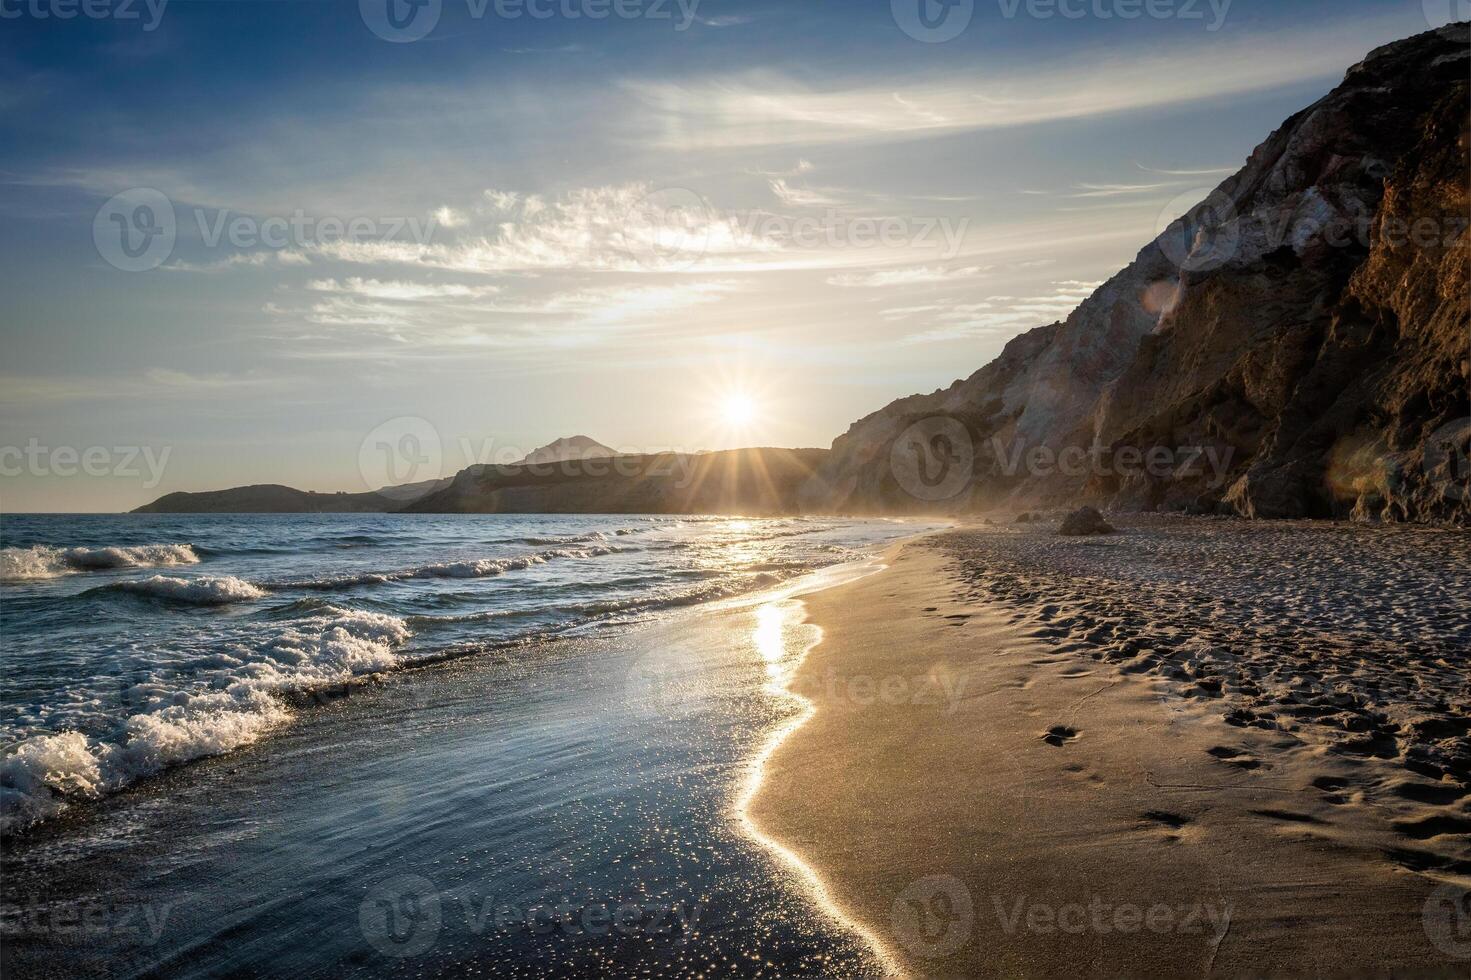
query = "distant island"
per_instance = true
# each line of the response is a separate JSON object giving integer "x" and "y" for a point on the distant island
{"x": 557, "y": 479}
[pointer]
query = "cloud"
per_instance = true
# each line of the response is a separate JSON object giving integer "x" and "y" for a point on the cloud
{"x": 766, "y": 108}
{"x": 802, "y": 197}
{"x": 279, "y": 257}
{"x": 911, "y": 276}
{"x": 398, "y": 290}
{"x": 449, "y": 217}
{"x": 149, "y": 384}
{"x": 725, "y": 20}
{"x": 1208, "y": 172}
{"x": 1117, "y": 190}
{"x": 966, "y": 320}
{"x": 430, "y": 317}
{"x": 625, "y": 228}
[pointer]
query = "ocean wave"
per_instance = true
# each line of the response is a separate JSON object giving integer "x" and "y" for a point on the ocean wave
{"x": 214, "y": 712}
{"x": 43, "y": 561}
{"x": 468, "y": 568}
{"x": 201, "y": 591}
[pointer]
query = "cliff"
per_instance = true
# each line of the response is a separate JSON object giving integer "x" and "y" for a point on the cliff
{"x": 1294, "y": 346}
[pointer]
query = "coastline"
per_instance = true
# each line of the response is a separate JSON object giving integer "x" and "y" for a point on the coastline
{"x": 597, "y": 770}
{"x": 988, "y": 799}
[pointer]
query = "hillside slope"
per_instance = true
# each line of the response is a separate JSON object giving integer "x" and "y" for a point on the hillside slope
{"x": 267, "y": 498}
{"x": 740, "y": 481}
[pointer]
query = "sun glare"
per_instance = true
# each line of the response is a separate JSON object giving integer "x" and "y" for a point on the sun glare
{"x": 738, "y": 410}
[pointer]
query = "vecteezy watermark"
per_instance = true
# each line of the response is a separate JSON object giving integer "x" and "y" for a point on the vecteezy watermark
{"x": 404, "y": 916}
{"x": 1098, "y": 916}
{"x": 401, "y": 458}
{"x": 1201, "y": 230}
{"x": 668, "y": 229}
{"x": 148, "y": 12}
{"x": 936, "y": 21}
{"x": 934, "y": 916}
{"x": 128, "y": 462}
{"x": 141, "y": 923}
{"x": 1213, "y": 10}
{"x": 401, "y": 21}
{"x": 936, "y": 689}
{"x": 673, "y": 228}
{"x": 936, "y": 458}
{"x": 933, "y": 21}
{"x": 1446, "y": 917}
{"x": 137, "y": 229}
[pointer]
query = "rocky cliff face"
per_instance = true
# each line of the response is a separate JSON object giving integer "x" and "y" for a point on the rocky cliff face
{"x": 1294, "y": 346}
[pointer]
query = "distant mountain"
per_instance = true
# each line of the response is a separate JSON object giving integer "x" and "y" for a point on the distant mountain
{"x": 739, "y": 481}
{"x": 272, "y": 498}
{"x": 572, "y": 447}
{"x": 268, "y": 499}
{"x": 1305, "y": 329}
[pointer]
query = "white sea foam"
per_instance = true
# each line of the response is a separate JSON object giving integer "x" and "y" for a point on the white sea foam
{"x": 466, "y": 568}
{"x": 43, "y": 562}
{"x": 216, "y": 711}
{"x": 204, "y": 590}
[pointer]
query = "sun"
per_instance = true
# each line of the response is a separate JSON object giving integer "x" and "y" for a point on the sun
{"x": 737, "y": 409}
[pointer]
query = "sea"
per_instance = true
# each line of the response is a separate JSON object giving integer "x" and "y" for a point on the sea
{"x": 407, "y": 745}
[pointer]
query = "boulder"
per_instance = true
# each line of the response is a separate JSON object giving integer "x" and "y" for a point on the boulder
{"x": 1085, "y": 521}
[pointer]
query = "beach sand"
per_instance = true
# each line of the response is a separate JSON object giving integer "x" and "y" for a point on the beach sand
{"x": 1193, "y": 748}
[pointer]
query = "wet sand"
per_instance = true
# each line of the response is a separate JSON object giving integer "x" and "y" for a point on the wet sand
{"x": 1183, "y": 750}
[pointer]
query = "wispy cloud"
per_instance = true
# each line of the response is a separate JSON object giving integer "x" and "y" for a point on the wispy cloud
{"x": 804, "y": 197}
{"x": 771, "y": 109}
{"x": 725, "y": 20}
{"x": 999, "y": 315}
{"x": 398, "y": 290}
{"x": 235, "y": 260}
{"x": 1120, "y": 190}
{"x": 1207, "y": 172}
{"x": 911, "y": 276}
{"x": 150, "y": 384}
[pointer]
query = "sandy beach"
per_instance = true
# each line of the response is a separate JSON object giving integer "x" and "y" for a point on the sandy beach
{"x": 1152, "y": 754}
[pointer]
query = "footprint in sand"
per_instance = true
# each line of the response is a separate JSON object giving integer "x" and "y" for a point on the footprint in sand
{"x": 1059, "y": 735}
{"x": 1234, "y": 757}
{"x": 1286, "y": 816}
{"x": 1332, "y": 787}
{"x": 1436, "y": 793}
{"x": 1172, "y": 820}
{"x": 1434, "y": 826}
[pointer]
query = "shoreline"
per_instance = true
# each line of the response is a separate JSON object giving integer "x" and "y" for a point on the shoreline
{"x": 965, "y": 787}
{"x": 793, "y": 613}
{"x": 600, "y": 768}
{"x": 47, "y": 798}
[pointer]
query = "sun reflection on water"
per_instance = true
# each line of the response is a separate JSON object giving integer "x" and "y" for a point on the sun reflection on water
{"x": 779, "y": 622}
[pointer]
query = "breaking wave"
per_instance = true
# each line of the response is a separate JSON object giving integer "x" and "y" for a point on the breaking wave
{"x": 215, "y": 712}
{"x": 204, "y": 590}
{"x": 42, "y": 562}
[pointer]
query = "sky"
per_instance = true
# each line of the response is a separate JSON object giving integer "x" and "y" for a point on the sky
{"x": 339, "y": 244}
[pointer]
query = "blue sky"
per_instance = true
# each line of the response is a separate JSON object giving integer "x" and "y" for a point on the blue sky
{"x": 517, "y": 228}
